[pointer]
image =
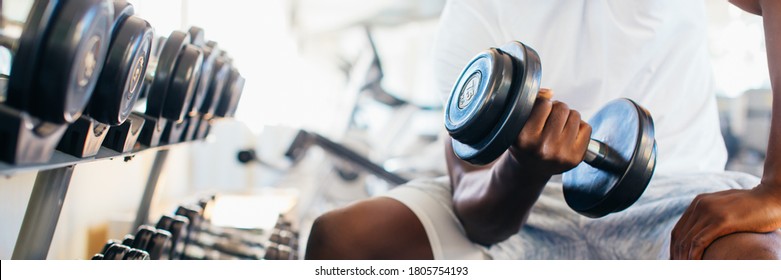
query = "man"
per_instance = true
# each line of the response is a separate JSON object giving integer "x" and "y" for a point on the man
{"x": 654, "y": 52}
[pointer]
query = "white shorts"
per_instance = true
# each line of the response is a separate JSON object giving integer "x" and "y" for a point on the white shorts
{"x": 554, "y": 231}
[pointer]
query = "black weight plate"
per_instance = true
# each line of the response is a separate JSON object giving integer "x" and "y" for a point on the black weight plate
{"x": 159, "y": 246}
{"x": 628, "y": 129}
{"x": 210, "y": 54}
{"x": 479, "y": 97}
{"x": 197, "y": 36}
{"x": 219, "y": 77}
{"x": 231, "y": 95}
{"x": 116, "y": 252}
{"x": 182, "y": 87}
{"x": 108, "y": 244}
{"x": 28, "y": 53}
{"x": 128, "y": 240}
{"x": 136, "y": 255}
{"x": 526, "y": 83}
{"x": 119, "y": 85}
{"x": 72, "y": 59}
{"x": 166, "y": 64}
{"x": 143, "y": 236}
{"x": 122, "y": 10}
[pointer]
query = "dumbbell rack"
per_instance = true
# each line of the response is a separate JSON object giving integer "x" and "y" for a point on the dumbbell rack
{"x": 48, "y": 196}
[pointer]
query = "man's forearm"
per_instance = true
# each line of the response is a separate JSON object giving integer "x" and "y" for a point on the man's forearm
{"x": 493, "y": 203}
{"x": 771, "y": 12}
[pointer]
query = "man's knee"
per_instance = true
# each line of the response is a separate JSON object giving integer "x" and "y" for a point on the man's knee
{"x": 379, "y": 228}
{"x": 746, "y": 246}
{"x": 329, "y": 238}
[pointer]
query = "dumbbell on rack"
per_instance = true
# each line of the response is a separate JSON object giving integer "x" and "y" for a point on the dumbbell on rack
{"x": 154, "y": 243}
{"x": 116, "y": 91}
{"x": 493, "y": 99}
{"x": 171, "y": 78}
{"x": 32, "y": 113}
{"x": 283, "y": 243}
{"x": 116, "y": 251}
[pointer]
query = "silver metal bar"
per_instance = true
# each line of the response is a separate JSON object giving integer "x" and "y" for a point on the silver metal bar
{"x": 43, "y": 212}
{"x": 603, "y": 157}
{"x": 151, "y": 185}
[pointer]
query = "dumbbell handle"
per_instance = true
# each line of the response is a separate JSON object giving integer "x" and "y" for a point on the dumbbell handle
{"x": 601, "y": 156}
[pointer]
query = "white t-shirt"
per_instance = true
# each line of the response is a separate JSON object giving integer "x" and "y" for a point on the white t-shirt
{"x": 652, "y": 51}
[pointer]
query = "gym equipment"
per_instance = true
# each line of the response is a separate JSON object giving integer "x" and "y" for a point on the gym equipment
{"x": 117, "y": 87}
{"x": 136, "y": 255}
{"x": 492, "y": 100}
{"x": 305, "y": 139}
{"x": 116, "y": 252}
{"x": 214, "y": 90}
{"x": 177, "y": 226}
{"x": 159, "y": 246}
{"x": 25, "y": 139}
{"x": 69, "y": 60}
{"x": 119, "y": 84}
{"x": 172, "y": 83}
{"x": 122, "y": 138}
{"x": 61, "y": 42}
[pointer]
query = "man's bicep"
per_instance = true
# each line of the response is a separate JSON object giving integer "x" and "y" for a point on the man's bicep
{"x": 377, "y": 228}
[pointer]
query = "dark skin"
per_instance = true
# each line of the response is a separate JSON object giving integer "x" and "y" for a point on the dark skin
{"x": 744, "y": 212}
{"x": 493, "y": 201}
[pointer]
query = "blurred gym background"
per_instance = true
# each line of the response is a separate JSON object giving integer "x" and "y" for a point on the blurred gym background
{"x": 352, "y": 72}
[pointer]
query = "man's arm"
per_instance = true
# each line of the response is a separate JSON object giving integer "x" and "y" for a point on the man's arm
{"x": 711, "y": 216}
{"x": 493, "y": 202}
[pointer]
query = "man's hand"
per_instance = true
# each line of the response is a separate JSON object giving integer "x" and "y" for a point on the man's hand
{"x": 554, "y": 139}
{"x": 714, "y": 215}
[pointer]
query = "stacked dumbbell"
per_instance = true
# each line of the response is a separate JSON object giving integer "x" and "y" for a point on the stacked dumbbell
{"x": 57, "y": 49}
{"x": 117, "y": 88}
{"x": 75, "y": 89}
{"x": 148, "y": 243}
{"x": 283, "y": 243}
{"x": 189, "y": 235}
{"x": 190, "y": 83}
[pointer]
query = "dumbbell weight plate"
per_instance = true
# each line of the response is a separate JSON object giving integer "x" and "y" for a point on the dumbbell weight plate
{"x": 25, "y": 60}
{"x": 143, "y": 236}
{"x": 210, "y": 54}
{"x": 116, "y": 252}
{"x": 120, "y": 82}
{"x": 68, "y": 55}
{"x": 628, "y": 129}
{"x": 159, "y": 247}
{"x": 166, "y": 64}
{"x": 220, "y": 73}
{"x": 183, "y": 82}
{"x": 122, "y": 10}
{"x": 197, "y": 36}
{"x": 177, "y": 226}
{"x": 136, "y": 255}
{"x": 483, "y": 145}
{"x": 231, "y": 95}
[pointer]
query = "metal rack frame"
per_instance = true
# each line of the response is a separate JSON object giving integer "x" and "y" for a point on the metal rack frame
{"x": 48, "y": 196}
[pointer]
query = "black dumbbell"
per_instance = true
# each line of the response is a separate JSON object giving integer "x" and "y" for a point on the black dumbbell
{"x": 171, "y": 85}
{"x": 142, "y": 237}
{"x": 492, "y": 101}
{"x": 128, "y": 240}
{"x": 116, "y": 252}
{"x": 119, "y": 84}
{"x": 177, "y": 226}
{"x": 159, "y": 246}
{"x": 61, "y": 42}
{"x": 136, "y": 255}
{"x": 117, "y": 87}
{"x": 97, "y": 257}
